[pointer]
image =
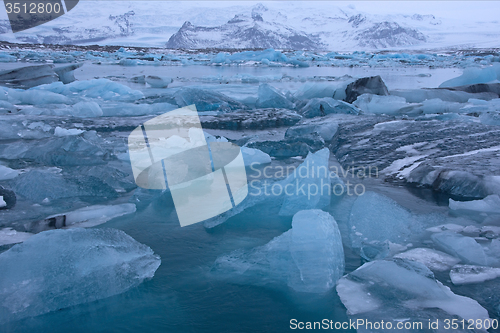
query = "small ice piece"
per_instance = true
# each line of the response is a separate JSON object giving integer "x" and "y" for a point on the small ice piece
{"x": 87, "y": 109}
{"x": 490, "y": 204}
{"x": 57, "y": 269}
{"x": 326, "y": 130}
{"x": 390, "y": 105}
{"x": 309, "y": 257}
{"x": 464, "y": 274}
{"x": 463, "y": 247}
{"x": 66, "y": 74}
{"x": 2, "y": 203}
{"x": 447, "y": 227}
{"x": 433, "y": 259}
{"x": 436, "y": 105}
{"x": 473, "y": 76}
{"x": 318, "y": 107}
{"x": 375, "y": 217}
{"x": 84, "y": 217}
{"x": 270, "y": 97}
{"x": 309, "y": 186}
{"x": 158, "y": 81}
{"x": 206, "y": 100}
{"x": 59, "y": 131}
{"x": 389, "y": 290}
{"x": 11, "y": 236}
{"x": 7, "y": 173}
{"x": 253, "y": 157}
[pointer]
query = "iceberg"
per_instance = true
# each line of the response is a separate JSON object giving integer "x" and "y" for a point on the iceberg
{"x": 420, "y": 95}
{"x": 86, "y": 109}
{"x": 59, "y": 131}
{"x": 326, "y": 130}
{"x": 462, "y": 247}
{"x": 158, "y": 81}
{"x": 66, "y": 73}
{"x": 318, "y": 107}
{"x": 28, "y": 76}
{"x": 490, "y": 204}
{"x": 390, "y": 105}
{"x": 308, "y": 258}
{"x": 309, "y": 186}
{"x": 56, "y": 269}
{"x": 367, "y": 85}
{"x": 312, "y": 90}
{"x": 85, "y": 217}
{"x": 206, "y": 100}
{"x": 270, "y": 97}
{"x": 433, "y": 259}
{"x": 7, "y": 173}
{"x": 376, "y": 219}
{"x": 402, "y": 290}
{"x": 465, "y": 274}
{"x": 254, "y": 156}
{"x": 474, "y": 76}
{"x": 10, "y": 236}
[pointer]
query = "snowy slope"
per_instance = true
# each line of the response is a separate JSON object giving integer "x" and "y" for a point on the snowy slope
{"x": 283, "y": 25}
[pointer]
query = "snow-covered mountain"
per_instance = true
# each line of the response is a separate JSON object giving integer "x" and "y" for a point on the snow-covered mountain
{"x": 282, "y": 25}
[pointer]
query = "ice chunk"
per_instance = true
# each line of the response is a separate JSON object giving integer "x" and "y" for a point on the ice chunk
{"x": 59, "y": 131}
{"x": 7, "y": 173}
{"x": 326, "y": 130}
{"x": 37, "y": 97}
{"x": 254, "y": 156}
{"x": 490, "y": 204}
{"x": 158, "y": 81}
{"x": 87, "y": 109}
{"x": 206, "y": 100}
{"x": 433, "y": 259}
{"x": 317, "y": 107}
{"x": 309, "y": 257}
{"x": 420, "y": 95}
{"x": 436, "y": 105}
{"x": 28, "y": 76}
{"x": 309, "y": 186}
{"x": 473, "y": 76}
{"x": 367, "y": 85}
{"x": 490, "y": 118}
{"x": 8, "y": 198}
{"x": 270, "y": 97}
{"x": 375, "y": 104}
{"x": 463, "y": 247}
{"x": 401, "y": 290}
{"x": 11, "y": 236}
{"x": 463, "y": 274}
{"x": 319, "y": 90}
{"x": 96, "y": 88}
{"x": 60, "y": 268}
{"x": 376, "y": 218}
{"x": 2, "y": 203}
{"x": 66, "y": 73}
{"x": 84, "y": 217}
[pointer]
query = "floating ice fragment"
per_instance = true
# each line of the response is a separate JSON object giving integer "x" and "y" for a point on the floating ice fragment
{"x": 158, "y": 81}
{"x": 490, "y": 204}
{"x": 56, "y": 269}
{"x": 309, "y": 257}
{"x": 11, "y": 236}
{"x": 433, "y": 259}
{"x": 7, "y": 173}
{"x": 270, "y": 97}
{"x": 254, "y": 156}
{"x": 59, "y": 131}
{"x": 390, "y": 105}
{"x": 473, "y": 76}
{"x": 87, "y": 109}
{"x": 463, "y": 247}
{"x": 464, "y": 274}
{"x": 318, "y": 107}
{"x": 390, "y": 290}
